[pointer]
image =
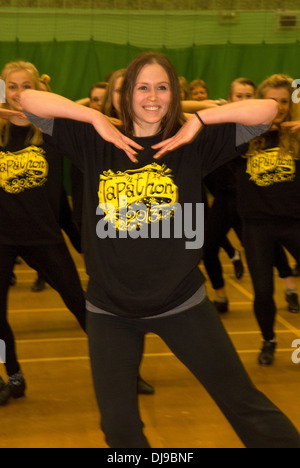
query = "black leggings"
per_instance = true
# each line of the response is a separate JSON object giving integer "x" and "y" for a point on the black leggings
{"x": 198, "y": 338}
{"x": 261, "y": 238}
{"x": 222, "y": 216}
{"x": 56, "y": 266}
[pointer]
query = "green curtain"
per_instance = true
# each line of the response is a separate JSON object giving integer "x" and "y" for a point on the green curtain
{"x": 75, "y": 66}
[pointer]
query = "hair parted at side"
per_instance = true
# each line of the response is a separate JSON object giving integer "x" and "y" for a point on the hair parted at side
{"x": 174, "y": 117}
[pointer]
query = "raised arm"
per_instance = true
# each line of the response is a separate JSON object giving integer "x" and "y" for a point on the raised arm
{"x": 190, "y": 107}
{"x": 49, "y": 106}
{"x": 251, "y": 112}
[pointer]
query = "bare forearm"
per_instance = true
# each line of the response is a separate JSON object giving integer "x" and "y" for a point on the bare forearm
{"x": 49, "y": 105}
{"x": 249, "y": 112}
{"x": 190, "y": 107}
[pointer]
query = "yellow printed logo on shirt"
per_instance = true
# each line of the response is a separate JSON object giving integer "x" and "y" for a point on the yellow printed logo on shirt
{"x": 269, "y": 167}
{"x": 23, "y": 170}
{"x": 151, "y": 186}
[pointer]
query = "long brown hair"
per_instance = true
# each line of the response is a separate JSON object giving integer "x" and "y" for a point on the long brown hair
{"x": 174, "y": 117}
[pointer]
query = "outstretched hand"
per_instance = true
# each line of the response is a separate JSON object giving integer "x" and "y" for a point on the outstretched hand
{"x": 185, "y": 135}
{"x": 110, "y": 133}
{"x": 7, "y": 114}
{"x": 293, "y": 126}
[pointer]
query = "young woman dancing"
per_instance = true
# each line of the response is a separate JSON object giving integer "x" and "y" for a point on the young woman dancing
{"x": 142, "y": 234}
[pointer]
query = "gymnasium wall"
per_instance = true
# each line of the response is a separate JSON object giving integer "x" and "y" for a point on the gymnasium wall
{"x": 78, "y": 47}
{"x": 78, "y": 42}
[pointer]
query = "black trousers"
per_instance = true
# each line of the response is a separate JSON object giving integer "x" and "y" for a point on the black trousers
{"x": 261, "y": 239}
{"x": 56, "y": 266}
{"x": 222, "y": 216}
{"x": 198, "y": 338}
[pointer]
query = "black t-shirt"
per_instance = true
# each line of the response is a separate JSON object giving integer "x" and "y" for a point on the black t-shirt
{"x": 30, "y": 192}
{"x": 222, "y": 182}
{"x": 143, "y": 276}
{"x": 268, "y": 182}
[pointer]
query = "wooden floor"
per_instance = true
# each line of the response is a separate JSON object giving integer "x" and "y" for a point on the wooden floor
{"x": 60, "y": 409}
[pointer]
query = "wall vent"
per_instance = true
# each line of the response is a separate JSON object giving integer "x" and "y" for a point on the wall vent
{"x": 289, "y": 20}
{"x": 228, "y": 17}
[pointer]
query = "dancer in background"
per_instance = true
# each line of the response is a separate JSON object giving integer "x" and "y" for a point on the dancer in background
{"x": 269, "y": 202}
{"x": 30, "y": 200}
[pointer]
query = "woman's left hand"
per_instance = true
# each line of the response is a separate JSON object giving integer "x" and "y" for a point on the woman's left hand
{"x": 185, "y": 135}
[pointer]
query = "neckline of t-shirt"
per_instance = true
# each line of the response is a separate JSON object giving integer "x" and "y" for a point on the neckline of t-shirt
{"x": 148, "y": 140}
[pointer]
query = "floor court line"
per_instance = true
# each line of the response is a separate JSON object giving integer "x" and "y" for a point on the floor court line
{"x": 149, "y": 336}
{"x": 146, "y": 355}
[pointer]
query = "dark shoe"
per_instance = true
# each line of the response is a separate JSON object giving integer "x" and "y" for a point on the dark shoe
{"x": 222, "y": 306}
{"x": 17, "y": 385}
{"x": 143, "y": 388}
{"x": 39, "y": 285}
{"x": 266, "y": 356}
{"x": 238, "y": 265}
{"x": 293, "y": 302}
{"x": 4, "y": 393}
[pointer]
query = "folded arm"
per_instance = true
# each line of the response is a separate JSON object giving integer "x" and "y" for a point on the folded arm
{"x": 50, "y": 106}
{"x": 249, "y": 113}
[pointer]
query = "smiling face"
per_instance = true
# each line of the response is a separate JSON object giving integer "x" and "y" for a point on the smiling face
{"x": 151, "y": 99}
{"x": 16, "y": 82}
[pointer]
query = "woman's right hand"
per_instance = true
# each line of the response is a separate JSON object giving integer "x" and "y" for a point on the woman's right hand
{"x": 110, "y": 133}
{"x": 7, "y": 114}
